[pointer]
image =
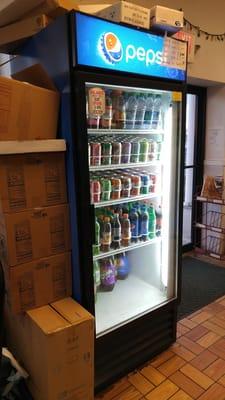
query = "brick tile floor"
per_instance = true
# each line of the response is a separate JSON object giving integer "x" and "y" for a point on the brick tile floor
{"x": 192, "y": 368}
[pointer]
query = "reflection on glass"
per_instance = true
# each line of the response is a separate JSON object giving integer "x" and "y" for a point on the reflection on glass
{"x": 132, "y": 145}
{"x": 190, "y": 129}
{"x": 187, "y": 206}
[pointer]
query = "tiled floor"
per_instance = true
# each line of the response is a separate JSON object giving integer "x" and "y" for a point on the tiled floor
{"x": 192, "y": 368}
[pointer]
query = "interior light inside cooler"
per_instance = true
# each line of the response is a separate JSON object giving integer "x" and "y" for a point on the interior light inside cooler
{"x": 166, "y": 195}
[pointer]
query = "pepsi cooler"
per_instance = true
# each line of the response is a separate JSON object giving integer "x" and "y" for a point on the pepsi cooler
{"x": 122, "y": 115}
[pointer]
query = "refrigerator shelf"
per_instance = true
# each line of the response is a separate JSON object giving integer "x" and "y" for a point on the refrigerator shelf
{"x": 123, "y": 249}
{"x": 126, "y": 200}
{"x": 124, "y": 131}
{"x": 210, "y": 228}
{"x": 124, "y": 166}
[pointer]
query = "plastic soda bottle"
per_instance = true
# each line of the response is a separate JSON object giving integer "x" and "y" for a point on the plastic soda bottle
{"x": 106, "y": 235}
{"x": 96, "y": 246}
{"x": 152, "y": 222}
{"x": 126, "y": 231}
{"x": 148, "y": 111}
{"x": 116, "y": 232}
{"x": 134, "y": 223}
{"x": 107, "y": 274}
{"x": 106, "y": 119}
{"x": 131, "y": 110}
{"x": 122, "y": 266}
{"x": 119, "y": 110}
{"x": 140, "y": 114}
{"x": 156, "y": 120}
{"x": 144, "y": 223}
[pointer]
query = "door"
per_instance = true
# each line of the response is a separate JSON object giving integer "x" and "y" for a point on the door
{"x": 133, "y": 156}
{"x": 193, "y": 160}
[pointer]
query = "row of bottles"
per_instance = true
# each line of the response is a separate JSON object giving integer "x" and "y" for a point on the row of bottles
{"x": 108, "y": 271}
{"x": 119, "y": 227}
{"x": 117, "y": 109}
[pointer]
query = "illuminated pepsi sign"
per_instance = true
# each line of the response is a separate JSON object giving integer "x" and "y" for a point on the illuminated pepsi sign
{"x": 103, "y": 44}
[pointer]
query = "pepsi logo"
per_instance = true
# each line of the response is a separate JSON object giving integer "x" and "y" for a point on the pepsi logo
{"x": 111, "y": 47}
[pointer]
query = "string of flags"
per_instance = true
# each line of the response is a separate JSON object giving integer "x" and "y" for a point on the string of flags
{"x": 201, "y": 32}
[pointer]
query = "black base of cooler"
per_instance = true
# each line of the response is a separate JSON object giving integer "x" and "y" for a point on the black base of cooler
{"x": 123, "y": 350}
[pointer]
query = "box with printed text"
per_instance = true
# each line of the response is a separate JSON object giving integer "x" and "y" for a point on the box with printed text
{"x": 35, "y": 233}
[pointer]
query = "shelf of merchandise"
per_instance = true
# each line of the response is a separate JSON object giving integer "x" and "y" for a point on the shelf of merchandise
{"x": 32, "y": 146}
{"x": 123, "y": 249}
{"x": 210, "y": 244}
{"x": 210, "y": 228}
{"x": 125, "y": 166}
{"x": 209, "y": 200}
{"x": 126, "y": 200}
{"x": 125, "y": 131}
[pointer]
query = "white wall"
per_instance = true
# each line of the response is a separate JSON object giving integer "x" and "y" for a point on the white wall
{"x": 215, "y": 131}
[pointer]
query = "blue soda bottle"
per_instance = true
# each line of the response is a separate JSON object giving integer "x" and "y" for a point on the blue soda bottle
{"x": 134, "y": 223}
{"x": 144, "y": 223}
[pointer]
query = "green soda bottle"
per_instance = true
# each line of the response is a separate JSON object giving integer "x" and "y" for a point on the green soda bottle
{"x": 96, "y": 246}
{"x": 152, "y": 222}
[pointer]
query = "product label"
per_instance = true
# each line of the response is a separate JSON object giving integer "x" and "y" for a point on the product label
{"x": 16, "y": 187}
{"x": 57, "y": 232}
{"x": 52, "y": 183}
{"x": 106, "y": 238}
{"x": 59, "y": 280}
{"x": 26, "y": 290}
{"x": 23, "y": 239}
{"x": 116, "y": 234}
{"x": 96, "y": 101}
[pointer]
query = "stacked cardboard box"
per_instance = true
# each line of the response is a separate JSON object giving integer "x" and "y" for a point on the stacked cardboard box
{"x": 20, "y": 19}
{"x": 34, "y": 229}
{"x": 55, "y": 344}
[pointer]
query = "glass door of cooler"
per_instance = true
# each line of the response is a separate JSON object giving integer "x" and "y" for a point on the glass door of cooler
{"x": 133, "y": 137}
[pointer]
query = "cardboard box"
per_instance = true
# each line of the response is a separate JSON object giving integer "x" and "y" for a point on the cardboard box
{"x": 128, "y": 13}
{"x": 14, "y": 10}
{"x": 38, "y": 283}
{"x": 32, "y": 180}
{"x": 36, "y": 233}
{"x": 55, "y": 344}
{"x": 13, "y": 35}
{"x": 28, "y": 112}
{"x": 166, "y": 19}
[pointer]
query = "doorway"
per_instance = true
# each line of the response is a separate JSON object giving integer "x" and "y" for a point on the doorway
{"x": 194, "y": 158}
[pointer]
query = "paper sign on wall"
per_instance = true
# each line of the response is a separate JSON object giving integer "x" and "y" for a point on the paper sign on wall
{"x": 190, "y": 39}
{"x": 174, "y": 53}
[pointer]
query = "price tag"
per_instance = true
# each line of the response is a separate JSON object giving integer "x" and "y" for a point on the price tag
{"x": 177, "y": 96}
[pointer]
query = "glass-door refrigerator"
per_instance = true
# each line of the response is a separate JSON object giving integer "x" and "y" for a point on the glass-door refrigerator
{"x": 122, "y": 114}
